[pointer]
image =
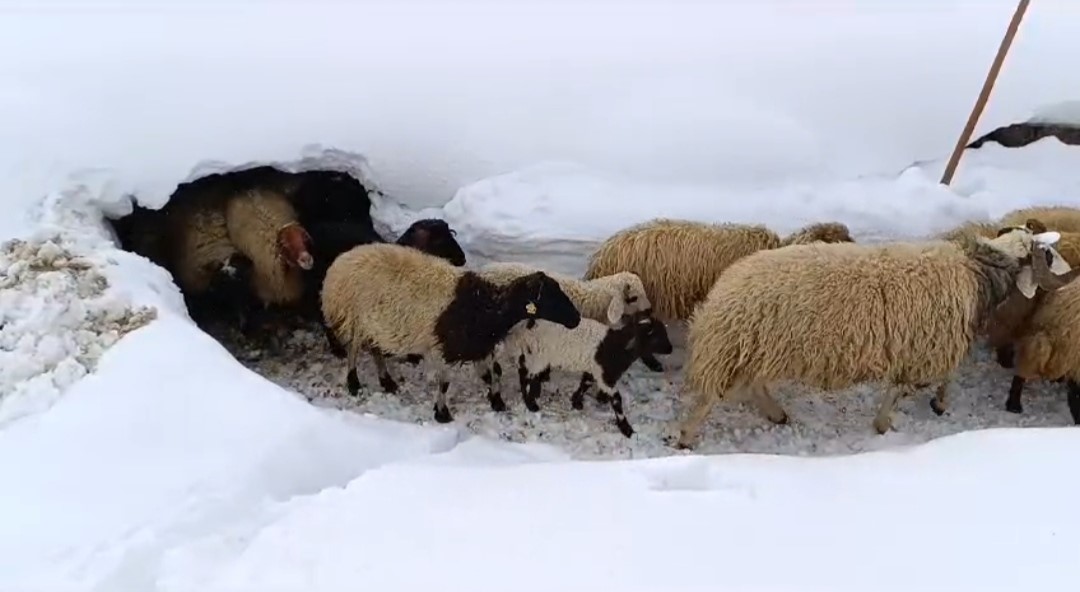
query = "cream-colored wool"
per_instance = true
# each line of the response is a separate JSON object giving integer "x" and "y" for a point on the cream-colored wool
{"x": 1059, "y": 218}
{"x": 1048, "y": 346}
{"x": 678, "y": 261}
{"x": 254, "y": 219}
{"x": 198, "y": 244}
{"x": 831, "y": 316}
{"x": 969, "y": 230}
{"x": 603, "y": 299}
{"x": 389, "y": 296}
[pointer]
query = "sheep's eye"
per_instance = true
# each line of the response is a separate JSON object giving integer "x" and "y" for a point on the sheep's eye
{"x": 631, "y": 299}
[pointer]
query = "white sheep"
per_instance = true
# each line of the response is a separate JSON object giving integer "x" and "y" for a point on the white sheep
{"x": 834, "y": 315}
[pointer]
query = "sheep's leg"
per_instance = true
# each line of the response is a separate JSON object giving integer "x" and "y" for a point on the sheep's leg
{"x": 523, "y": 375}
{"x": 442, "y": 410}
{"x": 336, "y": 348}
{"x": 385, "y": 380}
{"x": 883, "y": 419}
{"x": 768, "y": 405}
{"x": 536, "y": 381}
{"x": 691, "y": 425}
{"x": 620, "y": 417}
{"x": 652, "y": 363}
{"x": 1006, "y": 356}
{"x": 352, "y": 381}
{"x": 577, "y": 400}
{"x": 939, "y": 402}
{"x": 1016, "y": 390}
{"x": 1074, "y": 401}
{"x": 491, "y": 374}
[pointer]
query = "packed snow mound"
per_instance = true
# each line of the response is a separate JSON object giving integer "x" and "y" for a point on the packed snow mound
{"x": 562, "y": 211}
{"x": 737, "y": 522}
{"x": 57, "y": 317}
{"x": 1063, "y": 113}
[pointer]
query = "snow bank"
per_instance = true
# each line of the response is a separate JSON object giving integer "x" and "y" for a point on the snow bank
{"x": 443, "y": 94}
{"x": 562, "y": 211}
{"x": 937, "y": 517}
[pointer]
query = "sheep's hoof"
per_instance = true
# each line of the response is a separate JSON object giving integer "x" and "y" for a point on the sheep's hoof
{"x": 442, "y": 414}
{"x": 938, "y": 407}
{"x": 624, "y": 427}
{"x": 882, "y": 425}
{"x": 782, "y": 420}
{"x": 531, "y": 405}
{"x": 1014, "y": 406}
{"x": 388, "y": 384}
{"x": 497, "y": 403}
{"x": 602, "y": 398}
{"x": 577, "y": 401}
{"x": 352, "y": 381}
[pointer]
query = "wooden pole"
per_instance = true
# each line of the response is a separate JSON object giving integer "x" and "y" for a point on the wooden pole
{"x": 984, "y": 94}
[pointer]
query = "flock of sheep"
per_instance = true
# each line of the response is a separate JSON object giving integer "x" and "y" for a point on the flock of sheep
{"x": 814, "y": 307}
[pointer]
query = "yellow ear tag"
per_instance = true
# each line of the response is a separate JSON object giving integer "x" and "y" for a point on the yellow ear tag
{"x": 530, "y": 308}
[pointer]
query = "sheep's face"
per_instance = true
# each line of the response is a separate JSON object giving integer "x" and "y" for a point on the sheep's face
{"x": 545, "y": 300}
{"x": 650, "y": 335}
{"x": 824, "y": 232}
{"x": 294, "y": 244}
{"x": 434, "y": 237}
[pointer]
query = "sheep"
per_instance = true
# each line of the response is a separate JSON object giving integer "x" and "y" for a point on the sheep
{"x": 678, "y": 261}
{"x": 971, "y": 229}
{"x": 430, "y": 235}
{"x": 263, "y": 226}
{"x": 1057, "y": 218}
{"x": 599, "y": 352}
{"x": 195, "y": 248}
{"x": 393, "y": 300}
{"x": 604, "y": 299}
{"x": 832, "y": 316}
{"x": 1039, "y": 333}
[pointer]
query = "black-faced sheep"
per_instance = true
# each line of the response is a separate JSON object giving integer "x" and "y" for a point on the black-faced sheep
{"x": 832, "y": 316}
{"x": 599, "y": 353}
{"x": 1041, "y": 334}
{"x": 430, "y": 235}
{"x": 397, "y": 301}
{"x": 678, "y": 261}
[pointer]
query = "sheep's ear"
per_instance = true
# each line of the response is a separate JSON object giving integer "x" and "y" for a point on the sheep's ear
{"x": 1047, "y": 238}
{"x": 1025, "y": 282}
{"x": 615, "y": 310}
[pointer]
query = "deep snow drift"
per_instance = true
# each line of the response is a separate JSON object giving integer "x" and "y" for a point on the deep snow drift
{"x": 200, "y": 475}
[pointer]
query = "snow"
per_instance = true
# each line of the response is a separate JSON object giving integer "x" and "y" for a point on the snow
{"x": 136, "y": 453}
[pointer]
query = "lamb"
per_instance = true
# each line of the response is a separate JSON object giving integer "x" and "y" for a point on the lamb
{"x": 263, "y": 226}
{"x": 393, "y": 300}
{"x": 1057, "y": 218}
{"x": 832, "y": 316}
{"x": 331, "y": 239}
{"x": 1040, "y": 334}
{"x": 600, "y": 353}
{"x": 678, "y": 261}
{"x": 604, "y": 299}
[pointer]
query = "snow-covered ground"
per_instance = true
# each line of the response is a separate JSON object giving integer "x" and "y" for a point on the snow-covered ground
{"x": 137, "y": 454}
